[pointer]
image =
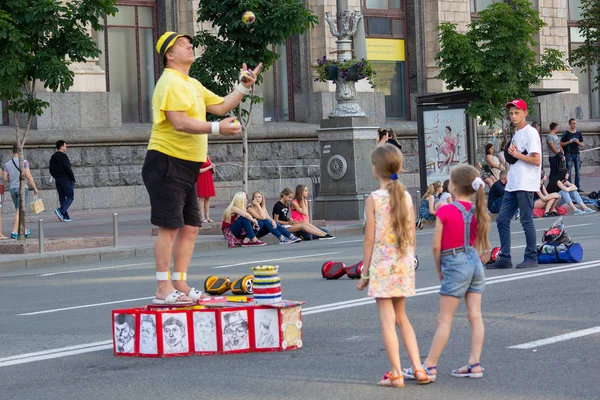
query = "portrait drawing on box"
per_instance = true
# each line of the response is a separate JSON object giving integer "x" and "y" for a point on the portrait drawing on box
{"x": 175, "y": 338}
{"x": 205, "y": 332}
{"x": 125, "y": 333}
{"x": 266, "y": 330}
{"x": 148, "y": 334}
{"x": 235, "y": 330}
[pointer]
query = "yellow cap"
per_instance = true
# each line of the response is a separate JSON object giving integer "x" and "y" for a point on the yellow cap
{"x": 167, "y": 40}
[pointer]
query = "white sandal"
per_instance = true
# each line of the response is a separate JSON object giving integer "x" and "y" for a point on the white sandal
{"x": 194, "y": 293}
{"x": 172, "y": 298}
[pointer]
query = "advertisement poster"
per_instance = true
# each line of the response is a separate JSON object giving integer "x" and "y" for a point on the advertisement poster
{"x": 445, "y": 133}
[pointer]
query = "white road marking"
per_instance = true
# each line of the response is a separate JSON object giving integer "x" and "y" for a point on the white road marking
{"x": 85, "y": 306}
{"x": 545, "y": 229}
{"x": 55, "y": 353}
{"x": 105, "y": 345}
{"x": 93, "y": 269}
{"x": 275, "y": 259}
{"x": 559, "y": 338}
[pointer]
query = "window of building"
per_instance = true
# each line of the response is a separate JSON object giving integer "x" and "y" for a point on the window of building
{"x": 128, "y": 58}
{"x": 585, "y": 75}
{"x": 277, "y": 89}
{"x": 385, "y": 29}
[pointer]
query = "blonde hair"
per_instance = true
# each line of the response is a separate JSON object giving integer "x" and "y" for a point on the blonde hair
{"x": 462, "y": 177}
{"x": 262, "y": 202}
{"x": 431, "y": 189}
{"x": 239, "y": 200}
{"x": 387, "y": 161}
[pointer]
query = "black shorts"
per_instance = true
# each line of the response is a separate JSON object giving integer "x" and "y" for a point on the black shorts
{"x": 171, "y": 185}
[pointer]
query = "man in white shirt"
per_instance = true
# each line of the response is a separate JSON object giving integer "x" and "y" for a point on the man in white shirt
{"x": 523, "y": 182}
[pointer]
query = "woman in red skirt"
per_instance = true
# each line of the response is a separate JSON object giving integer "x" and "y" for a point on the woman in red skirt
{"x": 205, "y": 187}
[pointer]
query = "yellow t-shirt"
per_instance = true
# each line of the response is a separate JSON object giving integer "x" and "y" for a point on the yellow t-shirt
{"x": 175, "y": 91}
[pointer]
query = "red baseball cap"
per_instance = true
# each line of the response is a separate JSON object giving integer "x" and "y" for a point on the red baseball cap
{"x": 520, "y": 104}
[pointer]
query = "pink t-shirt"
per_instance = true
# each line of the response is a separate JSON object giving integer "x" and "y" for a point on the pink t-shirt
{"x": 454, "y": 225}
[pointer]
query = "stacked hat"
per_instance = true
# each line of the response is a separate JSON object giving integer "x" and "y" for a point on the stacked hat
{"x": 267, "y": 285}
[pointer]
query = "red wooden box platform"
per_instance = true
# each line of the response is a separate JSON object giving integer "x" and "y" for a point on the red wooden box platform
{"x": 217, "y": 327}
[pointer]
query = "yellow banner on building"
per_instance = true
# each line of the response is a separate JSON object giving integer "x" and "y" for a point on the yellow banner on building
{"x": 385, "y": 49}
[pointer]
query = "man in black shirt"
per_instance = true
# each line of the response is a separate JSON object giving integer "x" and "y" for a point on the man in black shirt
{"x": 572, "y": 141}
{"x": 497, "y": 193}
{"x": 60, "y": 169}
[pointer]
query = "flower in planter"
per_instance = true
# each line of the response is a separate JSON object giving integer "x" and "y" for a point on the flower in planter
{"x": 349, "y": 70}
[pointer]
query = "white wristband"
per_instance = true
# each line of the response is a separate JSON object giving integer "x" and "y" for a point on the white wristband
{"x": 243, "y": 89}
{"x": 214, "y": 128}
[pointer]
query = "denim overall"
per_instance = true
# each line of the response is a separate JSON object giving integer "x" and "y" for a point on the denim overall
{"x": 462, "y": 269}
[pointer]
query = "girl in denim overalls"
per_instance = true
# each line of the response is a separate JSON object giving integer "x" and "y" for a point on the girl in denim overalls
{"x": 461, "y": 234}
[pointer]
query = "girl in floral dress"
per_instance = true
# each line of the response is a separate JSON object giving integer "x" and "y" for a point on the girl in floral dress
{"x": 388, "y": 255}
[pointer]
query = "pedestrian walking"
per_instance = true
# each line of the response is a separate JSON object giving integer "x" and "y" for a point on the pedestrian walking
{"x": 571, "y": 142}
{"x": 460, "y": 236}
{"x": 61, "y": 171}
{"x": 206, "y": 189}
{"x": 388, "y": 259}
{"x": 12, "y": 173}
{"x": 177, "y": 148}
{"x": 523, "y": 181}
{"x": 2, "y": 237}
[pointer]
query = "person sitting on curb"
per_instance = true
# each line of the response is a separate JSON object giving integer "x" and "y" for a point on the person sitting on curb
{"x": 428, "y": 202}
{"x": 496, "y": 194}
{"x": 12, "y": 173}
{"x": 568, "y": 192}
{"x": 486, "y": 174}
{"x": 445, "y": 197}
{"x": 259, "y": 212}
{"x": 281, "y": 214}
{"x": 544, "y": 200}
{"x": 240, "y": 223}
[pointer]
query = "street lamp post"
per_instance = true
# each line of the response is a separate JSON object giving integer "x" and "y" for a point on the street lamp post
{"x": 345, "y": 91}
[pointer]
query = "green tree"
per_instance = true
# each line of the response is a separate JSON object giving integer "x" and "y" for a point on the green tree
{"x": 235, "y": 43}
{"x": 588, "y": 54}
{"x": 38, "y": 41}
{"x": 494, "y": 59}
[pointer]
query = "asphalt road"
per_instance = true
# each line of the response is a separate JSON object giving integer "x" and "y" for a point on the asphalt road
{"x": 343, "y": 356}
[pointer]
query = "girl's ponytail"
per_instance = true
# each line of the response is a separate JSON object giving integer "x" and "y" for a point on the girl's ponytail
{"x": 399, "y": 214}
{"x": 482, "y": 243}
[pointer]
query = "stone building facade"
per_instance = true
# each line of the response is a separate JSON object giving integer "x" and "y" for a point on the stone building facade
{"x": 105, "y": 117}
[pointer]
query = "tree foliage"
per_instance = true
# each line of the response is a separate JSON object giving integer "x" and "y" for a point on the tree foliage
{"x": 235, "y": 43}
{"x": 38, "y": 41}
{"x": 495, "y": 58}
{"x": 588, "y": 54}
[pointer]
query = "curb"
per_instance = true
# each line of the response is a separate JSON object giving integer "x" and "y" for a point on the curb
{"x": 98, "y": 254}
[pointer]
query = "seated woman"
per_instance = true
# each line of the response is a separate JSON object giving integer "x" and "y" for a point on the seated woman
{"x": 501, "y": 155}
{"x": 300, "y": 204}
{"x": 486, "y": 174}
{"x": 429, "y": 200}
{"x": 544, "y": 200}
{"x": 492, "y": 161}
{"x": 259, "y": 212}
{"x": 238, "y": 222}
{"x": 281, "y": 214}
{"x": 568, "y": 192}
{"x": 445, "y": 197}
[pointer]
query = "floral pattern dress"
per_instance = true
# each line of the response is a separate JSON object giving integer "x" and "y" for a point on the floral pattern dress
{"x": 391, "y": 275}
